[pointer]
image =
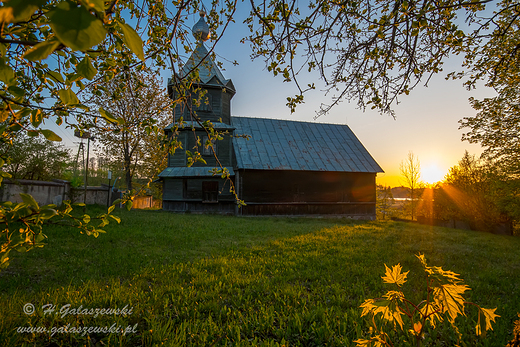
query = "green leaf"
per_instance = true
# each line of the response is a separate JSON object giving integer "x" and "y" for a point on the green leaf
{"x": 4, "y": 114}
{"x": 75, "y": 27}
{"x": 29, "y": 200}
{"x": 47, "y": 213}
{"x": 6, "y": 73}
{"x": 132, "y": 40}
{"x": 128, "y": 205}
{"x": 42, "y": 50}
{"x": 107, "y": 115}
{"x": 36, "y": 118}
{"x": 17, "y": 91}
{"x": 50, "y": 135}
{"x": 32, "y": 133}
{"x": 40, "y": 237}
{"x": 19, "y": 10}
{"x": 86, "y": 69}
{"x": 56, "y": 76}
{"x": 68, "y": 97}
{"x": 98, "y": 5}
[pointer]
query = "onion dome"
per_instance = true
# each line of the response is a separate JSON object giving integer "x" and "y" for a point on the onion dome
{"x": 201, "y": 29}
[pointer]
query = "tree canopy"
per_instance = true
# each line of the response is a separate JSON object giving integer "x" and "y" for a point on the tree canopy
{"x": 372, "y": 52}
{"x": 34, "y": 158}
{"x": 138, "y": 100}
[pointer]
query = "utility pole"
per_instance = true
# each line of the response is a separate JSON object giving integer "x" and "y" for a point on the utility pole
{"x": 84, "y": 135}
{"x": 109, "y": 188}
{"x": 80, "y": 148}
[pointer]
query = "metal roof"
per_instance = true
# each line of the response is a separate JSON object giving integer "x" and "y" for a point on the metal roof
{"x": 184, "y": 171}
{"x": 293, "y": 145}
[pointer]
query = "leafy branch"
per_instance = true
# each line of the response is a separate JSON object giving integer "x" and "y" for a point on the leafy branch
{"x": 444, "y": 301}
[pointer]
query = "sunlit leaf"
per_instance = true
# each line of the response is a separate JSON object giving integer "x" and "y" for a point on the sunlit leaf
{"x": 47, "y": 213}
{"x": 116, "y": 218}
{"x": 484, "y": 325}
{"x": 4, "y": 114}
{"x": 449, "y": 298}
{"x": 395, "y": 276}
{"x": 19, "y": 10}
{"x": 132, "y": 40}
{"x": 36, "y": 118}
{"x": 50, "y": 135}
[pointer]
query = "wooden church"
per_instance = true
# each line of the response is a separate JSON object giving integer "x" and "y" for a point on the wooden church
{"x": 284, "y": 168}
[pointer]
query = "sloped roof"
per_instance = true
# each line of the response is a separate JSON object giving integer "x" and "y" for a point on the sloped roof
{"x": 194, "y": 124}
{"x": 184, "y": 171}
{"x": 291, "y": 145}
{"x": 209, "y": 73}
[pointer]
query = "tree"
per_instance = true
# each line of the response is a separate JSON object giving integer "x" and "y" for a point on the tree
{"x": 142, "y": 109}
{"x": 497, "y": 128}
{"x": 411, "y": 172}
{"x": 374, "y": 51}
{"x": 475, "y": 192}
{"x": 497, "y": 123}
{"x": 385, "y": 200}
{"x": 33, "y": 158}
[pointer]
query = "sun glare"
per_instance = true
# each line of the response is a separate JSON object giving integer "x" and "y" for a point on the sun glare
{"x": 431, "y": 173}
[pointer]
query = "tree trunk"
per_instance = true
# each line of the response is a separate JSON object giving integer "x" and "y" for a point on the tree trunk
{"x": 128, "y": 175}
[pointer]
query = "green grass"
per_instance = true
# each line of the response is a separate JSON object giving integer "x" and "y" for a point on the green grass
{"x": 197, "y": 280}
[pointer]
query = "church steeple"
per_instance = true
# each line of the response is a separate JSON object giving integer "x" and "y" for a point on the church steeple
{"x": 219, "y": 90}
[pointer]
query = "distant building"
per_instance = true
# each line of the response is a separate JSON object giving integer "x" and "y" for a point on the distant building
{"x": 284, "y": 168}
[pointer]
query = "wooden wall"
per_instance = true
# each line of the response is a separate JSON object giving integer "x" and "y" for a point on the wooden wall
{"x": 216, "y": 106}
{"x": 185, "y": 194}
{"x": 274, "y": 192}
{"x": 189, "y": 141}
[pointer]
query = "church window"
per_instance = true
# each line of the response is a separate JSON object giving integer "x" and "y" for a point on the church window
{"x": 207, "y": 149}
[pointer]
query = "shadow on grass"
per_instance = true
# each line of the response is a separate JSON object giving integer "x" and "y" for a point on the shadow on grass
{"x": 144, "y": 238}
{"x": 213, "y": 280}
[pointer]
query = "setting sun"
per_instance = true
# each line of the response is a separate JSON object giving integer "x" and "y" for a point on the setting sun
{"x": 431, "y": 173}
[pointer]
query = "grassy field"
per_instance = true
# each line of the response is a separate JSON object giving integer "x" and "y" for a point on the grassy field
{"x": 191, "y": 280}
